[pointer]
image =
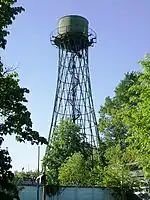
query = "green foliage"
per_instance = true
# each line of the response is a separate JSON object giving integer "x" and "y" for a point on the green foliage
{"x": 66, "y": 140}
{"x": 8, "y": 13}
{"x": 118, "y": 172}
{"x": 26, "y": 175}
{"x": 116, "y": 175}
{"x": 15, "y": 118}
{"x": 111, "y": 120}
{"x": 120, "y": 158}
{"x": 137, "y": 117}
{"x": 77, "y": 171}
{"x": 8, "y": 190}
{"x": 68, "y": 159}
{"x": 124, "y": 122}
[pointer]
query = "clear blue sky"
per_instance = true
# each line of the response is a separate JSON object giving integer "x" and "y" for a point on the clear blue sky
{"x": 123, "y": 31}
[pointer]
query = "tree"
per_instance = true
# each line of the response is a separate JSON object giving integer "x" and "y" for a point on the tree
{"x": 111, "y": 123}
{"x": 118, "y": 173}
{"x": 26, "y": 175}
{"x": 8, "y": 13}
{"x": 14, "y": 119}
{"x": 119, "y": 157}
{"x": 14, "y": 116}
{"x": 8, "y": 190}
{"x": 137, "y": 117}
{"x": 77, "y": 171}
{"x": 66, "y": 140}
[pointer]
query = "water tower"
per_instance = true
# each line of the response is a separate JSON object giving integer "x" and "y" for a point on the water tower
{"x": 73, "y": 99}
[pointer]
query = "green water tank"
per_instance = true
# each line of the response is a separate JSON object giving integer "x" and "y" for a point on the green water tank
{"x": 72, "y": 24}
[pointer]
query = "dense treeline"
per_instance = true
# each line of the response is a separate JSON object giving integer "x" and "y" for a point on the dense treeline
{"x": 124, "y": 129}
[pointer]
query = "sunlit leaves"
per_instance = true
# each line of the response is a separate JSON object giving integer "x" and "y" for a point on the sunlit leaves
{"x": 116, "y": 119}
{"x": 111, "y": 123}
{"x": 24, "y": 175}
{"x": 66, "y": 140}
{"x": 117, "y": 174}
{"x": 138, "y": 117}
{"x": 75, "y": 171}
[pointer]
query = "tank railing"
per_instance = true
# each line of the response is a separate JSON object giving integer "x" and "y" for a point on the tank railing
{"x": 79, "y": 29}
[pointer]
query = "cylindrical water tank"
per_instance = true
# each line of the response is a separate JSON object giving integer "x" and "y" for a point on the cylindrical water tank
{"x": 72, "y": 24}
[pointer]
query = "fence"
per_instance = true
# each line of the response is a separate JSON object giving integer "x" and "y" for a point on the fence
{"x": 69, "y": 193}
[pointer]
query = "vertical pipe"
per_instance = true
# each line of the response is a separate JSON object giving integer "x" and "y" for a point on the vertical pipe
{"x": 38, "y": 191}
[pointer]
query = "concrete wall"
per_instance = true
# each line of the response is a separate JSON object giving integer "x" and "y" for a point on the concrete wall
{"x": 70, "y": 193}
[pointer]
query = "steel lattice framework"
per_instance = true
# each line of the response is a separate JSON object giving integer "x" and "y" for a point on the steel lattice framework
{"x": 73, "y": 98}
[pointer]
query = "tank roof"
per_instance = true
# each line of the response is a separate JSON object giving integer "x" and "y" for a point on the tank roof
{"x": 73, "y": 16}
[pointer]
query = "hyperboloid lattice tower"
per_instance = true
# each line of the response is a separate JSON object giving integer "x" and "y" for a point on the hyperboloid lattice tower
{"x": 73, "y": 98}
